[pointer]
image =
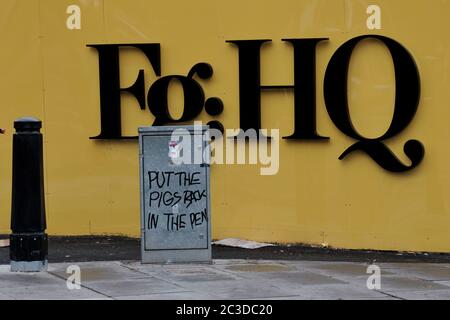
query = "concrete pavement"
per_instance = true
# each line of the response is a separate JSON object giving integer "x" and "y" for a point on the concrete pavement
{"x": 230, "y": 279}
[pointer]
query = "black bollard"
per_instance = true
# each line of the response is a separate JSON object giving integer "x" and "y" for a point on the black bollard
{"x": 28, "y": 240}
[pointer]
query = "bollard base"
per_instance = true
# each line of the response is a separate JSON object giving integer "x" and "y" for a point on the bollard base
{"x": 28, "y": 252}
{"x": 29, "y": 266}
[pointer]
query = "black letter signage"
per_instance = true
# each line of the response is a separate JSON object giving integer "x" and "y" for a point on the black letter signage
{"x": 108, "y": 57}
{"x": 304, "y": 86}
{"x": 406, "y": 103}
{"x": 407, "y": 81}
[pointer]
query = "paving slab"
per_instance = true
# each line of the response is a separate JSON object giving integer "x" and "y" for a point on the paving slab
{"x": 134, "y": 287}
{"x": 52, "y": 292}
{"x": 338, "y": 292}
{"x": 238, "y": 289}
{"x": 339, "y": 269}
{"x": 146, "y": 269}
{"x": 435, "y": 272}
{"x": 30, "y": 280}
{"x": 101, "y": 271}
{"x": 424, "y": 295}
{"x": 185, "y": 295}
{"x": 395, "y": 284}
{"x": 225, "y": 262}
{"x": 229, "y": 279}
{"x": 321, "y": 297}
{"x": 183, "y": 272}
{"x": 291, "y": 278}
{"x": 258, "y": 268}
{"x": 5, "y": 297}
{"x": 419, "y": 265}
{"x": 206, "y": 277}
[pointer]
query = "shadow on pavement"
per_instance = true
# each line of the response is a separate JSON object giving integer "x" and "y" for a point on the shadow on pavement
{"x": 111, "y": 248}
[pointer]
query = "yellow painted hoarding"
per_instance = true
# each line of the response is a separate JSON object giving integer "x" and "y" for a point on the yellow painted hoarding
{"x": 92, "y": 186}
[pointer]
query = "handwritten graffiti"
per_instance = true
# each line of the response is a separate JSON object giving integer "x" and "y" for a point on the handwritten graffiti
{"x": 184, "y": 179}
{"x": 161, "y": 200}
{"x": 168, "y": 198}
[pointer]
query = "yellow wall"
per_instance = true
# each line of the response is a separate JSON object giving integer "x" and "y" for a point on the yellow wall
{"x": 92, "y": 187}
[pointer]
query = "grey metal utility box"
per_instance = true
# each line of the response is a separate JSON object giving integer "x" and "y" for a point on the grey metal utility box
{"x": 175, "y": 200}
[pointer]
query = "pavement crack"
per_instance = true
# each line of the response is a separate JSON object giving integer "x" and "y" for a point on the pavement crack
{"x": 154, "y": 275}
{"x": 391, "y": 295}
{"x": 82, "y": 285}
